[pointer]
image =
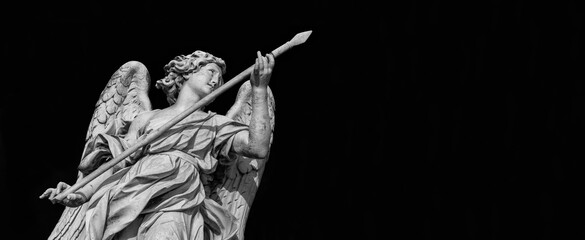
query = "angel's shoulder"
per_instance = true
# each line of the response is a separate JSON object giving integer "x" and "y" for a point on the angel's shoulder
{"x": 143, "y": 118}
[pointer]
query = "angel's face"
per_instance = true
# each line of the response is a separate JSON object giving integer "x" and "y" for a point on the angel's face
{"x": 204, "y": 81}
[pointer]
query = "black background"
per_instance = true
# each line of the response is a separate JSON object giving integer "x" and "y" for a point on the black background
{"x": 415, "y": 120}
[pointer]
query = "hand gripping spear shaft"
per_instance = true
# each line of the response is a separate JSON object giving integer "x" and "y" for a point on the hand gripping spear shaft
{"x": 296, "y": 40}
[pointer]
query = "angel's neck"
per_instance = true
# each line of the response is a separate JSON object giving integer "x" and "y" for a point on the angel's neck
{"x": 185, "y": 100}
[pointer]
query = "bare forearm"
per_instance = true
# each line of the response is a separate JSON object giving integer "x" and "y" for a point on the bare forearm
{"x": 255, "y": 143}
{"x": 259, "y": 128}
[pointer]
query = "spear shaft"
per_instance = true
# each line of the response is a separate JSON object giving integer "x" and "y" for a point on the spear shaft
{"x": 296, "y": 40}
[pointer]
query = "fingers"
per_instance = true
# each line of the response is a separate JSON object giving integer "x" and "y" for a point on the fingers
{"x": 61, "y": 186}
{"x": 260, "y": 61}
{"x": 76, "y": 197}
{"x": 256, "y": 70}
{"x": 46, "y": 193}
{"x": 68, "y": 201}
{"x": 53, "y": 194}
{"x": 263, "y": 68}
{"x": 74, "y": 200}
{"x": 270, "y": 61}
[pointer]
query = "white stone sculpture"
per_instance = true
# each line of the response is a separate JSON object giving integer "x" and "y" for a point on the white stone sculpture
{"x": 197, "y": 180}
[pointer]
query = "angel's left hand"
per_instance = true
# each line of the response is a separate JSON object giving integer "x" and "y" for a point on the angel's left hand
{"x": 262, "y": 70}
{"x": 72, "y": 200}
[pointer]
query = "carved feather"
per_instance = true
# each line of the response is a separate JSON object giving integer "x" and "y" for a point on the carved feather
{"x": 124, "y": 97}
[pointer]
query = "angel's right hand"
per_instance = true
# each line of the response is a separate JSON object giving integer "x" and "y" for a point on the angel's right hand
{"x": 72, "y": 200}
{"x": 262, "y": 71}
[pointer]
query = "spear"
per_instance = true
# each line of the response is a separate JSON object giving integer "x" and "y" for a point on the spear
{"x": 296, "y": 40}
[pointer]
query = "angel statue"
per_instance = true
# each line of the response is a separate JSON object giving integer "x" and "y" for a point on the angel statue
{"x": 195, "y": 181}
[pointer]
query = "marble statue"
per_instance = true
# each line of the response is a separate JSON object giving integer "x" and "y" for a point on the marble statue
{"x": 197, "y": 180}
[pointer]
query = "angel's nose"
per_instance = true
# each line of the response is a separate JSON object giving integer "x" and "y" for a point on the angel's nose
{"x": 214, "y": 80}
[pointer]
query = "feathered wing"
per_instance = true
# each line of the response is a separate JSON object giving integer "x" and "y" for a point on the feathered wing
{"x": 124, "y": 97}
{"x": 237, "y": 184}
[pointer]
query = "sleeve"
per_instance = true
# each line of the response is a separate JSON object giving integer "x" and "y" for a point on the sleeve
{"x": 225, "y": 131}
{"x": 102, "y": 148}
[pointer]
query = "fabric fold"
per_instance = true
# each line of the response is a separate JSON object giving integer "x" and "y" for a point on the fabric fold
{"x": 158, "y": 192}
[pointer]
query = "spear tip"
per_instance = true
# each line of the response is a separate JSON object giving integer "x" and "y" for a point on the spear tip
{"x": 301, "y": 38}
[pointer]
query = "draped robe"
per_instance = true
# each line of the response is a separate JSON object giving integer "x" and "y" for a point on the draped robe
{"x": 158, "y": 192}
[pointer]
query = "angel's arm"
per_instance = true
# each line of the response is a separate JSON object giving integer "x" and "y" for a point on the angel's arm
{"x": 125, "y": 95}
{"x": 130, "y": 138}
{"x": 255, "y": 142}
{"x": 84, "y": 194}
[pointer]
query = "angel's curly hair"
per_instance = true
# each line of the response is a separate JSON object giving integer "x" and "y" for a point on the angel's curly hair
{"x": 182, "y": 65}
